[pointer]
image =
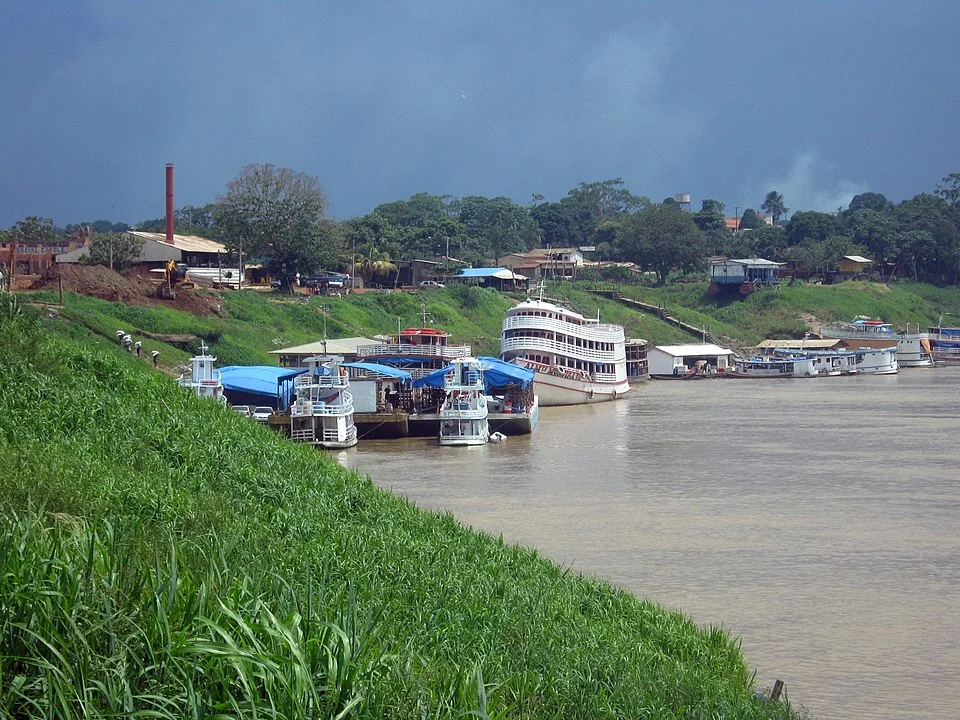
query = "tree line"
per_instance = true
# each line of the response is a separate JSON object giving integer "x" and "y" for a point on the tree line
{"x": 278, "y": 216}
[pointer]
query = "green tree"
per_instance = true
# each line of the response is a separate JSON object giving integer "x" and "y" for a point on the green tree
{"x": 34, "y": 230}
{"x": 714, "y": 228}
{"x": 116, "y": 250}
{"x": 750, "y": 220}
{"x": 870, "y": 201}
{"x": 949, "y": 189}
{"x": 773, "y": 204}
{"x": 712, "y": 206}
{"x": 278, "y": 216}
{"x": 873, "y": 230}
{"x": 661, "y": 238}
{"x": 810, "y": 225}
{"x": 498, "y": 225}
{"x": 373, "y": 265}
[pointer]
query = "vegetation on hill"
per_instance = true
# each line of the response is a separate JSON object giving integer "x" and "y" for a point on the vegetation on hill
{"x": 163, "y": 557}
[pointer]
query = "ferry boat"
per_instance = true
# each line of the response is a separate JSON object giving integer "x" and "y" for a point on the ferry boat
{"x": 576, "y": 360}
{"x": 203, "y": 380}
{"x": 322, "y": 411}
{"x": 773, "y": 367}
{"x": 463, "y": 415}
{"x": 829, "y": 363}
{"x": 913, "y": 349}
{"x": 945, "y": 343}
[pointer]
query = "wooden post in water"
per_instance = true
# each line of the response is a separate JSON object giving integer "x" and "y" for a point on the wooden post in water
{"x": 777, "y": 689}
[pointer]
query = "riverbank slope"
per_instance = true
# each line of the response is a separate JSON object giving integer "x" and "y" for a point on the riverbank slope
{"x": 161, "y": 554}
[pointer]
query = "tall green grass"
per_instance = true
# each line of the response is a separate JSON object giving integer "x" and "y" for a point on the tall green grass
{"x": 162, "y": 557}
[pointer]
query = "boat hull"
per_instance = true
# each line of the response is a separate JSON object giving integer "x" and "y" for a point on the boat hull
{"x": 555, "y": 391}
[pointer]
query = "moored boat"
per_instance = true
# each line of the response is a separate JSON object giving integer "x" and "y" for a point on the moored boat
{"x": 877, "y": 361}
{"x": 322, "y": 411}
{"x": 203, "y": 379}
{"x": 945, "y": 343}
{"x": 463, "y": 415}
{"x": 913, "y": 348}
{"x": 575, "y": 359}
{"x": 773, "y": 367}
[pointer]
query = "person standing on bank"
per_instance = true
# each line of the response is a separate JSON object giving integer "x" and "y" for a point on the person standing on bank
{"x": 156, "y": 357}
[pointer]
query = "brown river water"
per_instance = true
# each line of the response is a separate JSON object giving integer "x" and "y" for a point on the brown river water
{"x": 818, "y": 520}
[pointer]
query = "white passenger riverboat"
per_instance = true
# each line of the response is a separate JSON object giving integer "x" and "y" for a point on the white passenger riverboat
{"x": 463, "y": 415}
{"x": 322, "y": 411}
{"x": 203, "y": 379}
{"x": 773, "y": 367}
{"x": 576, "y": 359}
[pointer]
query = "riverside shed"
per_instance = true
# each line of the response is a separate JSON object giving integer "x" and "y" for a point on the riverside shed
{"x": 673, "y": 360}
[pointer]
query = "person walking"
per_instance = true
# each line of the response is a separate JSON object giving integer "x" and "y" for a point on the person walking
{"x": 156, "y": 357}
{"x": 120, "y": 334}
{"x": 138, "y": 346}
{"x": 127, "y": 342}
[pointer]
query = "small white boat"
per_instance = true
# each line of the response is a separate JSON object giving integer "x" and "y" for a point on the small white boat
{"x": 497, "y": 437}
{"x": 877, "y": 361}
{"x": 463, "y": 415}
{"x": 322, "y": 413}
{"x": 203, "y": 380}
{"x": 773, "y": 367}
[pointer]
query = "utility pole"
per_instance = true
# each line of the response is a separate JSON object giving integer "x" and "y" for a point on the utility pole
{"x": 736, "y": 212}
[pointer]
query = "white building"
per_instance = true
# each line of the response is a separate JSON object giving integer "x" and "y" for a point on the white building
{"x": 673, "y": 360}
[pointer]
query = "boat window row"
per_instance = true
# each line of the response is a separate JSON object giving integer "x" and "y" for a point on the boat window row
{"x": 548, "y": 315}
{"x": 572, "y": 340}
{"x": 571, "y": 363}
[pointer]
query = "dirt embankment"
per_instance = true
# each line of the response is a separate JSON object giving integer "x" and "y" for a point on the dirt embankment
{"x": 130, "y": 288}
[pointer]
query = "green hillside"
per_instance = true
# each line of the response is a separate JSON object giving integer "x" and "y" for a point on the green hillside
{"x": 165, "y": 558}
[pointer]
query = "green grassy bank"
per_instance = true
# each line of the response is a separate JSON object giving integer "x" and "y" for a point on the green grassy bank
{"x": 161, "y": 558}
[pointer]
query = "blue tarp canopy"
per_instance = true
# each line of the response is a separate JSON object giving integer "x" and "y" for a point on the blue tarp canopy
{"x": 496, "y": 374}
{"x": 381, "y": 369}
{"x": 259, "y": 384}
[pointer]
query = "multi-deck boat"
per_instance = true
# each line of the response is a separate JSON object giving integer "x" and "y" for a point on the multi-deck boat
{"x": 773, "y": 367}
{"x": 203, "y": 380}
{"x": 322, "y": 411}
{"x": 913, "y": 349}
{"x": 463, "y": 415}
{"x": 945, "y": 343}
{"x": 420, "y": 350}
{"x": 576, "y": 359}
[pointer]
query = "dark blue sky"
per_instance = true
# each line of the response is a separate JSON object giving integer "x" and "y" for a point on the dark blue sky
{"x": 379, "y": 101}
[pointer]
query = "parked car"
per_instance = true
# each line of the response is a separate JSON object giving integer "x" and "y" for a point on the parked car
{"x": 262, "y": 414}
{"x": 242, "y": 409}
{"x": 276, "y": 283}
{"x": 432, "y": 284}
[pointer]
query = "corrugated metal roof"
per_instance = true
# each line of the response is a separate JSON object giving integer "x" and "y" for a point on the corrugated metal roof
{"x": 684, "y": 350}
{"x": 808, "y": 344}
{"x": 189, "y": 243}
{"x": 857, "y": 258}
{"x": 480, "y": 272}
{"x": 340, "y": 346}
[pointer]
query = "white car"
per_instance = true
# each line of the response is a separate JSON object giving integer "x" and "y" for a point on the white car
{"x": 262, "y": 414}
{"x": 432, "y": 284}
{"x": 242, "y": 409}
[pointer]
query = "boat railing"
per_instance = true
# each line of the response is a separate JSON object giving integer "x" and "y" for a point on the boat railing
{"x": 601, "y": 332}
{"x": 618, "y": 354}
{"x": 453, "y": 411}
{"x": 326, "y": 381}
{"x": 307, "y": 408}
{"x": 402, "y": 349}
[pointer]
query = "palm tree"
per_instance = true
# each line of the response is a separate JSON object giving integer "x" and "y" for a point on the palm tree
{"x": 773, "y": 204}
{"x": 371, "y": 263}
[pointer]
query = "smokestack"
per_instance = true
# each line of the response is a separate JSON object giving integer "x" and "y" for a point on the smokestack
{"x": 170, "y": 203}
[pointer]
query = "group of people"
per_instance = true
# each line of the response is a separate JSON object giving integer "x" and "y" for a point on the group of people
{"x": 125, "y": 339}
